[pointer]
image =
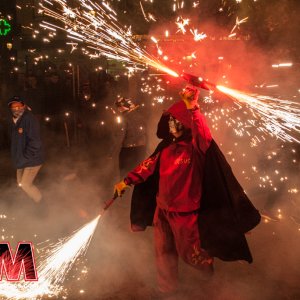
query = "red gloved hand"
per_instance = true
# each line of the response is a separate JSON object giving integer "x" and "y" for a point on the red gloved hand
{"x": 190, "y": 97}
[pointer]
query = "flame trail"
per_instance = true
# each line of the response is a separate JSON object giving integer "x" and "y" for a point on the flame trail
{"x": 53, "y": 269}
{"x": 278, "y": 117}
{"x": 96, "y": 26}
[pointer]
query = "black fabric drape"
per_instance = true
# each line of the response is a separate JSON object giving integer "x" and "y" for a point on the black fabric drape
{"x": 226, "y": 212}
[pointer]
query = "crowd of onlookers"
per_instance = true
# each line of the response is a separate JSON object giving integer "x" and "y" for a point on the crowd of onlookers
{"x": 57, "y": 98}
{"x": 82, "y": 113}
{"x": 47, "y": 116}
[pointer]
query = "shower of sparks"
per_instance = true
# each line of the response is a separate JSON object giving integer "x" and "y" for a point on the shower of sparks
{"x": 96, "y": 26}
{"x": 53, "y": 269}
{"x": 280, "y": 118}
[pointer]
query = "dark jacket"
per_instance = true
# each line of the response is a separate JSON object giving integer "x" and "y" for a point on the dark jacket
{"x": 225, "y": 215}
{"x": 26, "y": 145}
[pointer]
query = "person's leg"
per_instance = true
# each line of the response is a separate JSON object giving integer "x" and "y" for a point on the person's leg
{"x": 166, "y": 254}
{"x": 188, "y": 244}
{"x": 26, "y": 183}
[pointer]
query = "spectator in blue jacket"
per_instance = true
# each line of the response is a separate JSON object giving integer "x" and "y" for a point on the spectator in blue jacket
{"x": 26, "y": 146}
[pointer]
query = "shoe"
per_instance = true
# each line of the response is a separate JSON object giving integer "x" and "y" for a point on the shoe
{"x": 270, "y": 216}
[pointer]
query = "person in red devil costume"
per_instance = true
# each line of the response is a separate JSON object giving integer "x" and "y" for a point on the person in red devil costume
{"x": 187, "y": 191}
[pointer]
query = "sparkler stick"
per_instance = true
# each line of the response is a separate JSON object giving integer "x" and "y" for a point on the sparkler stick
{"x": 198, "y": 81}
{"x": 108, "y": 203}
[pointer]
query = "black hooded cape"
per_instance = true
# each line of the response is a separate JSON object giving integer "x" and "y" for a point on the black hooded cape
{"x": 226, "y": 213}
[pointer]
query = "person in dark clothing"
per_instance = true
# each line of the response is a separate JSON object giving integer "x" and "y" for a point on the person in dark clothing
{"x": 131, "y": 134}
{"x": 26, "y": 147}
{"x": 197, "y": 212}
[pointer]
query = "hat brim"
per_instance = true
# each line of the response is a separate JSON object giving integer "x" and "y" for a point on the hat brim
{"x": 15, "y": 101}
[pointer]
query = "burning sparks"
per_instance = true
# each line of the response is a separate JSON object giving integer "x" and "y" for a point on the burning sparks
{"x": 238, "y": 23}
{"x": 53, "y": 269}
{"x": 96, "y": 26}
{"x": 279, "y": 117}
{"x": 149, "y": 17}
{"x": 282, "y": 65}
{"x": 181, "y": 23}
{"x": 198, "y": 36}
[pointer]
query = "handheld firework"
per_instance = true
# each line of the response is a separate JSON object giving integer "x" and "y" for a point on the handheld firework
{"x": 198, "y": 82}
{"x": 277, "y": 117}
{"x": 55, "y": 265}
{"x": 108, "y": 203}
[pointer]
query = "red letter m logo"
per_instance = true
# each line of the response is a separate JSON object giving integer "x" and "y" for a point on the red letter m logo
{"x": 22, "y": 261}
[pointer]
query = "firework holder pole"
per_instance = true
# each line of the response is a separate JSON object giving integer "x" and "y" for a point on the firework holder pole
{"x": 108, "y": 203}
{"x": 67, "y": 133}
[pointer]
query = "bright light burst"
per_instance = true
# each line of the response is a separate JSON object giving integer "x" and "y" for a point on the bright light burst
{"x": 53, "y": 269}
{"x": 279, "y": 117}
{"x": 181, "y": 23}
{"x": 198, "y": 36}
{"x": 96, "y": 26}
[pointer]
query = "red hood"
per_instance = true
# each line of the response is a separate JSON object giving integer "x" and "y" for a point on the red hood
{"x": 179, "y": 111}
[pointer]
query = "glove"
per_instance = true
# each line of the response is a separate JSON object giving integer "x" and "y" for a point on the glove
{"x": 191, "y": 104}
{"x": 190, "y": 97}
{"x": 120, "y": 187}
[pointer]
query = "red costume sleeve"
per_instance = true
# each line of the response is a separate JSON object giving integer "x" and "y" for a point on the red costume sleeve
{"x": 142, "y": 171}
{"x": 200, "y": 131}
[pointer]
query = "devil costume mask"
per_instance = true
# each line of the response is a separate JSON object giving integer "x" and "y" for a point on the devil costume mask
{"x": 174, "y": 125}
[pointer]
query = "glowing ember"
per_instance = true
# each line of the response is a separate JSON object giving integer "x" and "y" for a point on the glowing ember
{"x": 198, "y": 36}
{"x": 181, "y": 23}
{"x": 238, "y": 23}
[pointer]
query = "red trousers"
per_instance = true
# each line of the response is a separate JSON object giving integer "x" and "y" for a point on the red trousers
{"x": 177, "y": 234}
